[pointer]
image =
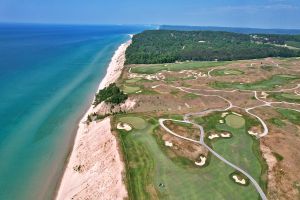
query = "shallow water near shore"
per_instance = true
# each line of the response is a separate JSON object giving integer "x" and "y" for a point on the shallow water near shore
{"x": 48, "y": 76}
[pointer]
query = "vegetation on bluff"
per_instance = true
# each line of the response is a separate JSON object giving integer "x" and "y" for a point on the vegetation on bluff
{"x": 111, "y": 94}
{"x": 165, "y": 46}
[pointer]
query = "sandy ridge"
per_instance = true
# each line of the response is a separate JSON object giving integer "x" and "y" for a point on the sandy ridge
{"x": 94, "y": 170}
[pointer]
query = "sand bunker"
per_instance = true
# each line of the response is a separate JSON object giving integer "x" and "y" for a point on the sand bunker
{"x": 168, "y": 144}
{"x": 238, "y": 180}
{"x": 225, "y": 135}
{"x": 212, "y": 136}
{"x": 124, "y": 126}
{"x": 202, "y": 161}
{"x": 253, "y": 133}
{"x": 224, "y": 114}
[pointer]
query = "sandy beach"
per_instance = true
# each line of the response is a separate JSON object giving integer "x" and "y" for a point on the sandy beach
{"x": 95, "y": 169}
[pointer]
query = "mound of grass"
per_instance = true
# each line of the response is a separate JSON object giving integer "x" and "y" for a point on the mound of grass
{"x": 291, "y": 115}
{"x": 154, "y": 68}
{"x": 136, "y": 122}
{"x": 130, "y": 89}
{"x": 235, "y": 121}
{"x": 268, "y": 84}
{"x": 278, "y": 156}
{"x": 226, "y": 72}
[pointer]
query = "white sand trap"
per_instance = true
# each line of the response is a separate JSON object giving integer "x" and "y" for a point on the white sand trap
{"x": 225, "y": 135}
{"x": 264, "y": 95}
{"x": 224, "y": 114}
{"x": 253, "y": 133}
{"x": 124, "y": 126}
{"x": 237, "y": 180}
{"x": 155, "y": 86}
{"x": 168, "y": 144}
{"x": 237, "y": 114}
{"x": 221, "y": 121}
{"x": 212, "y": 136}
{"x": 140, "y": 91}
{"x": 202, "y": 161}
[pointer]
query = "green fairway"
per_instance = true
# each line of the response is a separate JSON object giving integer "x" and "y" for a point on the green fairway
{"x": 154, "y": 68}
{"x": 133, "y": 80}
{"x": 235, "y": 121}
{"x": 151, "y": 174}
{"x": 131, "y": 89}
{"x": 226, "y": 72}
{"x": 291, "y": 115}
{"x": 136, "y": 122}
{"x": 288, "y": 97}
{"x": 268, "y": 84}
{"x": 241, "y": 149}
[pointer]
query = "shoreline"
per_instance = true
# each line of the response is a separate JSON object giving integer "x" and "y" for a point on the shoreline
{"x": 86, "y": 174}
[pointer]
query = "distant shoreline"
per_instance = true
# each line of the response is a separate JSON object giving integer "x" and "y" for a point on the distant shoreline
{"x": 85, "y": 173}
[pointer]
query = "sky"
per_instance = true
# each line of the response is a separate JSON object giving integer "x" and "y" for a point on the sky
{"x": 228, "y": 13}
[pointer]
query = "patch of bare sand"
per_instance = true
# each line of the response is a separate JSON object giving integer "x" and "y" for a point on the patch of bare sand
{"x": 95, "y": 167}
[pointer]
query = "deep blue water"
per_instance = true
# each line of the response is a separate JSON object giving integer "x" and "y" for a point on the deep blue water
{"x": 48, "y": 77}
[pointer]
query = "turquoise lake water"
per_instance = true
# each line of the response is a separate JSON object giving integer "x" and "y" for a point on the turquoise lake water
{"x": 48, "y": 77}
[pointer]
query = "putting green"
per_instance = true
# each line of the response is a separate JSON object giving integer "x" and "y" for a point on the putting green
{"x": 235, "y": 121}
{"x": 130, "y": 89}
{"x": 136, "y": 122}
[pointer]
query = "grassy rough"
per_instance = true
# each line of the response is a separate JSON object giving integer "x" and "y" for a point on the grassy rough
{"x": 226, "y": 72}
{"x": 154, "y": 68}
{"x": 268, "y": 84}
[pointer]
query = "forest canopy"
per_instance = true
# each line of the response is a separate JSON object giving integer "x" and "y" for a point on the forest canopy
{"x": 111, "y": 94}
{"x": 168, "y": 46}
